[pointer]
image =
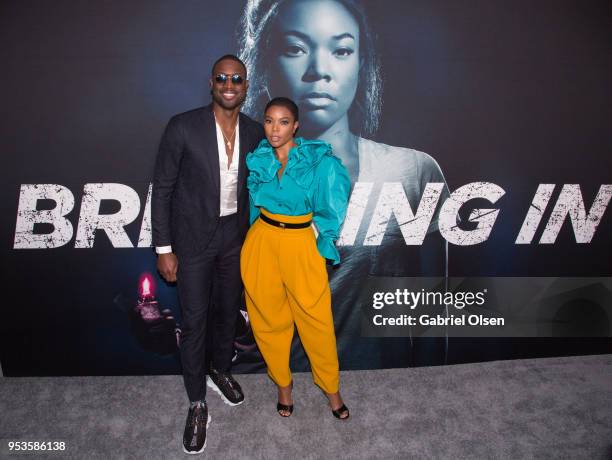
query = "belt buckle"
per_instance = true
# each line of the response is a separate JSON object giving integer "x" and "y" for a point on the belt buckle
{"x": 281, "y": 224}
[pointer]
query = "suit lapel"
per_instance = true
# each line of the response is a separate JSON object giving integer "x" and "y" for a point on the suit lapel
{"x": 244, "y": 149}
{"x": 212, "y": 149}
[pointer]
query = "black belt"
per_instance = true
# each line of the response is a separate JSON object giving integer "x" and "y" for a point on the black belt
{"x": 276, "y": 223}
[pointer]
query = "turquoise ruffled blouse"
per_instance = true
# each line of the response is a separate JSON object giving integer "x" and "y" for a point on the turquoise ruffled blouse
{"x": 314, "y": 180}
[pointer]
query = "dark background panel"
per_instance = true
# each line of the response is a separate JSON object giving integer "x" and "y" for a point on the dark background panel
{"x": 515, "y": 93}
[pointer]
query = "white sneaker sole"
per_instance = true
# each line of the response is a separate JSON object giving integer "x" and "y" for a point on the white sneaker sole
{"x": 190, "y": 452}
{"x": 210, "y": 384}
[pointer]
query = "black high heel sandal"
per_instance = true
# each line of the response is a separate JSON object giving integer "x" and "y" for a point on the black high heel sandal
{"x": 285, "y": 407}
{"x": 280, "y": 408}
{"x": 340, "y": 411}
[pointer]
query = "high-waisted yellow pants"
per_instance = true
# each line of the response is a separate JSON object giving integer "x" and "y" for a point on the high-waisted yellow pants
{"x": 286, "y": 283}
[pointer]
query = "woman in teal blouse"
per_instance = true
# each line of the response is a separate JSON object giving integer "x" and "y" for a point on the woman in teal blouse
{"x": 292, "y": 184}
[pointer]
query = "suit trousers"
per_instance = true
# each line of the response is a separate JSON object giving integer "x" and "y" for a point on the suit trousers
{"x": 209, "y": 286}
{"x": 286, "y": 286}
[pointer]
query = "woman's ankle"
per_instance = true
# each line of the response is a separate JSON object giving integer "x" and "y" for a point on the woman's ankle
{"x": 284, "y": 394}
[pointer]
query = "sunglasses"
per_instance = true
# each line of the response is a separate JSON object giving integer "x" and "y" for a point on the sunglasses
{"x": 236, "y": 78}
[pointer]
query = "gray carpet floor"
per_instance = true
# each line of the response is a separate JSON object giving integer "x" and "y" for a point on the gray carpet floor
{"x": 541, "y": 408}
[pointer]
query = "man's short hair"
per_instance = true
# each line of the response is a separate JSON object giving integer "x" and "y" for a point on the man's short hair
{"x": 229, "y": 57}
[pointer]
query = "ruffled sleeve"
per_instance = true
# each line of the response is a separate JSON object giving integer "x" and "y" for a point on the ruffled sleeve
{"x": 332, "y": 188}
{"x": 304, "y": 159}
{"x": 253, "y": 210}
{"x": 263, "y": 166}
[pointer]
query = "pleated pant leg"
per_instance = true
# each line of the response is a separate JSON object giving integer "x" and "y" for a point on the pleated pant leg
{"x": 286, "y": 286}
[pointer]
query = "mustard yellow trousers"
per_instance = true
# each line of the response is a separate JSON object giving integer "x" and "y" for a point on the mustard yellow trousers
{"x": 286, "y": 284}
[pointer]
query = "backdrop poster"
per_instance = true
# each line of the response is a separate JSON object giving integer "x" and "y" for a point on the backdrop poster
{"x": 478, "y": 148}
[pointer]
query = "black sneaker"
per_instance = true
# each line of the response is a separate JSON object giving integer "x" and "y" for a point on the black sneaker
{"x": 224, "y": 384}
{"x": 194, "y": 437}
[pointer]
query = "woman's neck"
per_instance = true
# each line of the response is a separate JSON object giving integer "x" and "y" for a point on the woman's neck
{"x": 282, "y": 152}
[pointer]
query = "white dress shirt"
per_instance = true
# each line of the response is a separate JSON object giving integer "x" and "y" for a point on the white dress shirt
{"x": 228, "y": 175}
{"x": 228, "y": 179}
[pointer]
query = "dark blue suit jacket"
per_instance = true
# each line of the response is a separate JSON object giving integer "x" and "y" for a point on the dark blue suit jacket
{"x": 186, "y": 190}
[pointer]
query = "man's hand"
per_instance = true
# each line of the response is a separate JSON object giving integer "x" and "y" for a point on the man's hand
{"x": 167, "y": 264}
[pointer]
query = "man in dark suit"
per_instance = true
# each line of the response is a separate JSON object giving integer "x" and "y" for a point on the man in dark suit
{"x": 199, "y": 212}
